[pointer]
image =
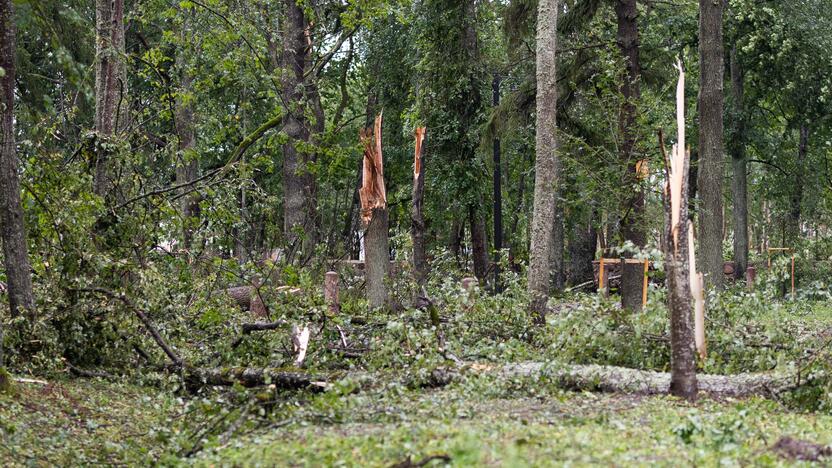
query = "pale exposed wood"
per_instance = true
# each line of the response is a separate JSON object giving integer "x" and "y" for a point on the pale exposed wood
{"x": 697, "y": 291}
{"x": 372, "y": 192}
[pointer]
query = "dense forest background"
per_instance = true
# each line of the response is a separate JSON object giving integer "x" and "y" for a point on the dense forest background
{"x": 159, "y": 155}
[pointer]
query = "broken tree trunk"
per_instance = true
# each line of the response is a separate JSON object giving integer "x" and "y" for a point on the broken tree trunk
{"x": 697, "y": 291}
{"x": 331, "y": 293}
{"x": 683, "y": 372}
{"x": 196, "y": 378}
{"x": 374, "y": 216}
{"x": 248, "y": 298}
{"x": 417, "y": 225}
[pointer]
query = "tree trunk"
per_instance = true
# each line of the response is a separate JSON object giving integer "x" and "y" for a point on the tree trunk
{"x": 793, "y": 224}
{"x": 498, "y": 192}
{"x": 739, "y": 185}
{"x": 417, "y": 219}
{"x": 546, "y": 163}
{"x": 187, "y": 166}
{"x": 297, "y": 179}
{"x": 710, "y": 140}
{"x": 632, "y": 225}
{"x": 12, "y": 227}
{"x": 557, "y": 276}
{"x": 377, "y": 258}
{"x": 582, "y": 251}
{"x": 374, "y": 215}
{"x": 676, "y": 256}
{"x": 111, "y": 105}
{"x": 479, "y": 248}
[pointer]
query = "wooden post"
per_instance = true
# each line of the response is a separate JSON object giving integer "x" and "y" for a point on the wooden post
{"x": 601, "y": 285}
{"x": 750, "y": 275}
{"x": 331, "y": 293}
{"x": 644, "y": 288}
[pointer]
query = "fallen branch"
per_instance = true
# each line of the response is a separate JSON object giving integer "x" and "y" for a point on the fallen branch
{"x": 196, "y": 378}
{"x": 144, "y": 319}
{"x": 263, "y": 326}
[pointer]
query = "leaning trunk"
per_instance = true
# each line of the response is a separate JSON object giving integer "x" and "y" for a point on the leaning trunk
{"x": 546, "y": 163}
{"x": 739, "y": 165}
{"x": 710, "y": 141}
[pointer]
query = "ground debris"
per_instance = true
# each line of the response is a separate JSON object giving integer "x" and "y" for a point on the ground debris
{"x": 796, "y": 449}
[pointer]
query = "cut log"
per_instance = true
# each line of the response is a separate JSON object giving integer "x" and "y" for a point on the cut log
{"x": 331, "y": 293}
{"x": 196, "y": 378}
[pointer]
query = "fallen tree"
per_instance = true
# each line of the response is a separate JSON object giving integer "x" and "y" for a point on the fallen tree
{"x": 625, "y": 380}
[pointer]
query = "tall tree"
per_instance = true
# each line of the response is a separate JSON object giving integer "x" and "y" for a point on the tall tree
{"x": 111, "y": 105}
{"x": 546, "y": 162}
{"x": 626, "y": 12}
{"x": 711, "y": 162}
{"x": 12, "y": 228}
{"x": 298, "y": 180}
{"x": 187, "y": 164}
{"x": 739, "y": 182}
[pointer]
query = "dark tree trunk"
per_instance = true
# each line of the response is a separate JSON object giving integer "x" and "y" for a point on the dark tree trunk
{"x": 498, "y": 192}
{"x": 632, "y": 225}
{"x": 455, "y": 241}
{"x": 111, "y": 106}
{"x": 711, "y": 155}
{"x": 739, "y": 164}
{"x": 796, "y": 202}
{"x": 417, "y": 218}
{"x": 546, "y": 164}
{"x": 582, "y": 251}
{"x": 187, "y": 165}
{"x": 298, "y": 182}
{"x": 479, "y": 249}
{"x": 12, "y": 228}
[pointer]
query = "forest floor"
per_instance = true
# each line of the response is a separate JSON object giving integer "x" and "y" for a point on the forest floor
{"x": 481, "y": 421}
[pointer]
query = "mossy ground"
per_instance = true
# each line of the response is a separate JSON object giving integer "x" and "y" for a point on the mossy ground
{"x": 477, "y": 422}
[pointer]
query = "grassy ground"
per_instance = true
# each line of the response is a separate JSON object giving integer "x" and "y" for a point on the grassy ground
{"x": 479, "y": 422}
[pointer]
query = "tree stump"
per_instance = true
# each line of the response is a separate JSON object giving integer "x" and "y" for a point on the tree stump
{"x": 374, "y": 216}
{"x": 750, "y": 276}
{"x": 331, "y": 292}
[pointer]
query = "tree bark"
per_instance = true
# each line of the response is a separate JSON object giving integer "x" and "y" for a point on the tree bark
{"x": 417, "y": 219}
{"x": 196, "y": 378}
{"x": 298, "y": 181}
{"x": 796, "y": 202}
{"x": 374, "y": 214}
{"x": 546, "y": 163}
{"x": 632, "y": 225}
{"x": 498, "y": 192}
{"x": 111, "y": 105}
{"x": 711, "y": 155}
{"x": 479, "y": 248}
{"x": 738, "y": 158}
{"x": 12, "y": 225}
{"x": 582, "y": 251}
{"x": 557, "y": 276}
{"x": 187, "y": 166}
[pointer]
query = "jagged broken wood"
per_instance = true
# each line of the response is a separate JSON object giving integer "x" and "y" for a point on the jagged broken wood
{"x": 374, "y": 215}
